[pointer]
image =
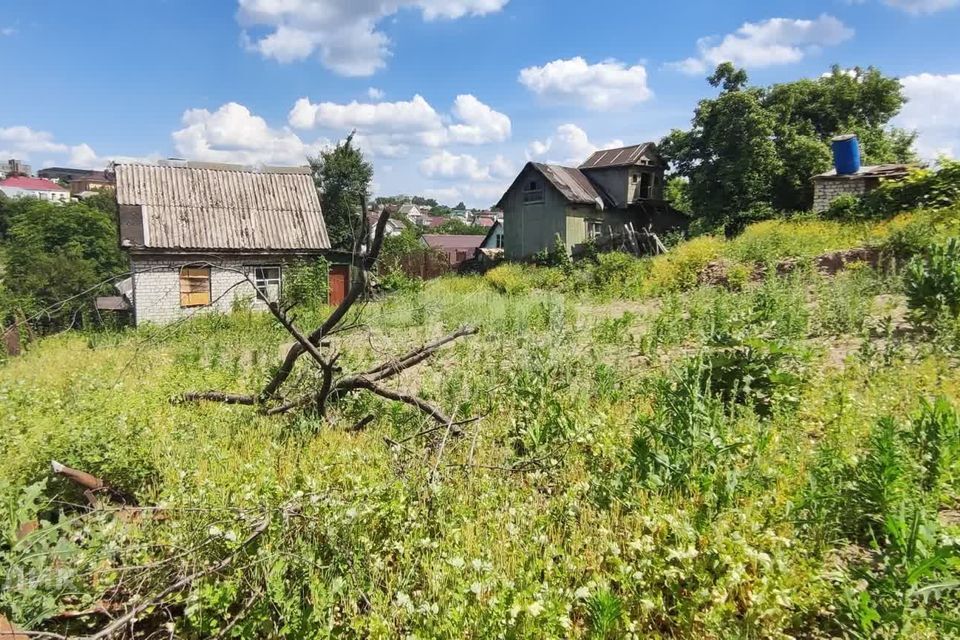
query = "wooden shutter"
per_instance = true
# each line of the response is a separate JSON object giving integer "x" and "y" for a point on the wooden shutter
{"x": 194, "y": 286}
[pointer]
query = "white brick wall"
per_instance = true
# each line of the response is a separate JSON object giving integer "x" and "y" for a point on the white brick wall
{"x": 156, "y": 286}
{"x": 826, "y": 191}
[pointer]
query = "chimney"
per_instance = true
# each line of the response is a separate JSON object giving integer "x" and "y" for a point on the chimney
{"x": 846, "y": 154}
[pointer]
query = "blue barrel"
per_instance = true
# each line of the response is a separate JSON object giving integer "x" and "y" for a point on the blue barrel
{"x": 846, "y": 154}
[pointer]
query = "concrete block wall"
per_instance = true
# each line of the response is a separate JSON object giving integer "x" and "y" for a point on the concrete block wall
{"x": 156, "y": 286}
{"x": 826, "y": 191}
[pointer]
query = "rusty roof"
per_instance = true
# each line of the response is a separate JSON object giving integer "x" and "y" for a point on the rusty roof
{"x": 452, "y": 242}
{"x": 224, "y": 207}
{"x": 622, "y": 157}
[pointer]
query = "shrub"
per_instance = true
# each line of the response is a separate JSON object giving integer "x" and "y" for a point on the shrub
{"x": 774, "y": 240}
{"x": 306, "y": 284}
{"x": 680, "y": 269}
{"x": 511, "y": 279}
{"x": 617, "y": 275}
{"x": 932, "y": 283}
{"x": 747, "y": 367}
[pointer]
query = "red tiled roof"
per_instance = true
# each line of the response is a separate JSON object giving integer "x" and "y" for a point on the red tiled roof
{"x": 31, "y": 184}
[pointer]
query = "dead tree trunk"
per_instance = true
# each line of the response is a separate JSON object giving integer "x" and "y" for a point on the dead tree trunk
{"x": 333, "y": 386}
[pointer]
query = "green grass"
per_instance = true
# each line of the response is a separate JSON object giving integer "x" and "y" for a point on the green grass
{"x": 755, "y": 463}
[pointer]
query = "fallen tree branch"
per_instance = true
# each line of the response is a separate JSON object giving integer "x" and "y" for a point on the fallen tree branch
{"x": 218, "y": 396}
{"x": 397, "y": 396}
{"x": 93, "y": 487}
{"x": 114, "y": 627}
{"x": 415, "y": 357}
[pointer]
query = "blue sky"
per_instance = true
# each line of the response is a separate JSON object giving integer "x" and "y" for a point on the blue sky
{"x": 449, "y": 97}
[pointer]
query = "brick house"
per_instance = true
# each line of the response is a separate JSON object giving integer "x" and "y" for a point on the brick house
{"x": 193, "y": 231}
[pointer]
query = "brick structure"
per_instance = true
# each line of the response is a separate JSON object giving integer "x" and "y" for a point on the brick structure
{"x": 195, "y": 232}
{"x": 829, "y": 186}
{"x": 157, "y": 286}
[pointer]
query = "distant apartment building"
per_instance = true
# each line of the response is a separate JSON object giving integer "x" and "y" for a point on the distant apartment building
{"x": 82, "y": 187}
{"x": 39, "y": 188}
{"x": 14, "y": 167}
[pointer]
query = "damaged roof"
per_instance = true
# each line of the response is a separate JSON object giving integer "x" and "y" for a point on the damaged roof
{"x": 873, "y": 171}
{"x": 572, "y": 184}
{"x": 220, "y": 207}
{"x": 622, "y": 157}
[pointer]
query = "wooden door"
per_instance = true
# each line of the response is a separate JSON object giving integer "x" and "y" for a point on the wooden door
{"x": 339, "y": 283}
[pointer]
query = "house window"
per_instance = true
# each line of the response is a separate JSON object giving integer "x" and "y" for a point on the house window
{"x": 594, "y": 229}
{"x": 194, "y": 286}
{"x": 635, "y": 177}
{"x": 532, "y": 193}
{"x": 267, "y": 280}
{"x": 646, "y": 191}
{"x": 499, "y": 241}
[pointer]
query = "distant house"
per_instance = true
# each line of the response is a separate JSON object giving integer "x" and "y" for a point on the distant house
{"x": 434, "y": 222}
{"x": 24, "y": 187}
{"x": 91, "y": 184}
{"x": 490, "y": 250}
{"x": 395, "y": 226}
{"x": 195, "y": 231}
{"x": 612, "y": 188}
{"x": 412, "y": 212}
{"x": 458, "y": 249}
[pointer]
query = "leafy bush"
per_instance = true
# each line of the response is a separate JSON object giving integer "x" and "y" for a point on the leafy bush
{"x": 932, "y": 283}
{"x": 511, "y": 279}
{"x": 747, "y": 367}
{"x": 921, "y": 189}
{"x": 306, "y": 284}
{"x": 680, "y": 269}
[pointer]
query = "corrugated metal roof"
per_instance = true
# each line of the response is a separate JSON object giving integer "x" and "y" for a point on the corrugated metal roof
{"x": 622, "y": 157}
{"x": 224, "y": 208}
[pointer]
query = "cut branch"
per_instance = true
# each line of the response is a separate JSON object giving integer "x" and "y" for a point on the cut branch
{"x": 338, "y": 314}
{"x": 397, "y": 396}
{"x": 218, "y": 396}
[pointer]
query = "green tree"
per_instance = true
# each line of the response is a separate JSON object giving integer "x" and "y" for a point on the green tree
{"x": 456, "y": 226}
{"x": 56, "y": 255}
{"x": 460, "y": 207}
{"x": 751, "y": 151}
{"x": 343, "y": 178}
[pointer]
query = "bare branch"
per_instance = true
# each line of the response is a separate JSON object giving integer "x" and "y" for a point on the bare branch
{"x": 389, "y": 394}
{"x": 218, "y": 396}
{"x": 338, "y": 314}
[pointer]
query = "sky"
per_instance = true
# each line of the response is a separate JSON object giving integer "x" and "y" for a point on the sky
{"x": 448, "y": 98}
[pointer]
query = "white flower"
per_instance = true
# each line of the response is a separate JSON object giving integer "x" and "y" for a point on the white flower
{"x": 565, "y": 622}
{"x": 403, "y": 600}
{"x": 476, "y": 588}
{"x": 477, "y": 564}
{"x": 582, "y": 593}
{"x": 535, "y": 609}
{"x": 215, "y": 531}
{"x": 231, "y": 536}
{"x": 456, "y": 563}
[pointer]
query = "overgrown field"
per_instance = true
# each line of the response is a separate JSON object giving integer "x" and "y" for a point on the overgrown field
{"x": 776, "y": 457}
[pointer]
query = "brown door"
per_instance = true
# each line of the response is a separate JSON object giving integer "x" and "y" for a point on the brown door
{"x": 339, "y": 281}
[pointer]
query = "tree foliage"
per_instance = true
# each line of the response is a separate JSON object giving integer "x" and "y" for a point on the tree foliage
{"x": 56, "y": 254}
{"x": 752, "y": 148}
{"x": 343, "y": 178}
{"x": 456, "y": 226}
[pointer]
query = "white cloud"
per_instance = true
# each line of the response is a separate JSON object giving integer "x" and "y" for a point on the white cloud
{"x": 923, "y": 6}
{"x": 934, "y": 101}
{"x": 344, "y": 33}
{"x": 25, "y": 143}
{"x": 375, "y": 94}
{"x": 603, "y": 86}
{"x": 777, "y": 41}
{"x": 233, "y": 134}
{"x": 480, "y": 123}
{"x": 449, "y": 166}
{"x": 392, "y": 128}
{"x": 570, "y": 145}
